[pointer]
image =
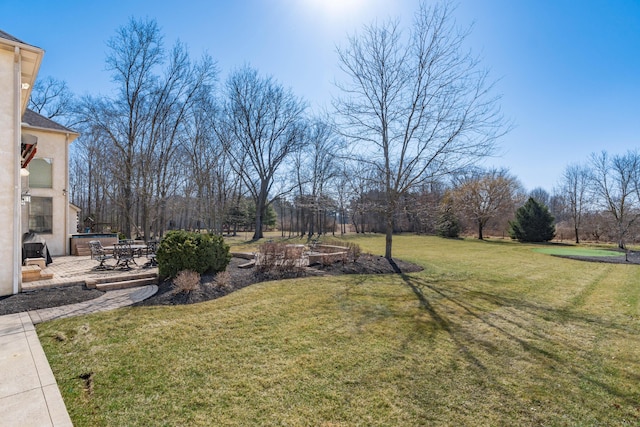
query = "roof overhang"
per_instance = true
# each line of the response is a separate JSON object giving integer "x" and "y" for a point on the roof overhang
{"x": 30, "y": 58}
{"x": 70, "y": 133}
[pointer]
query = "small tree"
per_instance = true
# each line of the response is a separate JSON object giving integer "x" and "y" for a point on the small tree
{"x": 484, "y": 196}
{"x": 533, "y": 223}
{"x": 575, "y": 190}
{"x": 448, "y": 224}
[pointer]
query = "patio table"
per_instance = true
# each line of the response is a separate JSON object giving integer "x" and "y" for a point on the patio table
{"x": 137, "y": 249}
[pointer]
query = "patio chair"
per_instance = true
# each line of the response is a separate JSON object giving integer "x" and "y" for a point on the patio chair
{"x": 98, "y": 253}
{"x": 124, "y": 255}
{"x": 152, "y": 247}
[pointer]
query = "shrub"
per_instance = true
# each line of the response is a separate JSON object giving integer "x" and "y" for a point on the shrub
{"x": 448, "y": 225}
{"x": 533, "y": 223}
{"x": 182, "y": 250}
{"x": 353, "y": 251}
{"x": 268, "y": 255}
{"x": 279, "y": 257}
{"x": 223, "y": 280}
{"x": 186, "y": 282}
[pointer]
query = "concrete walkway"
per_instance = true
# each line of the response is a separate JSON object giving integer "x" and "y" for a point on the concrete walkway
{"x": 29, "y": 394}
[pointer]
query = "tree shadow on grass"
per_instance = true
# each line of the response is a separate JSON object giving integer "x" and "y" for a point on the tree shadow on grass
{"x": 533, "y": 334}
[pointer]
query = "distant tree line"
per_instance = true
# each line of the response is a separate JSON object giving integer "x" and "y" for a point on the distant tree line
{"x": 172, "y": 147}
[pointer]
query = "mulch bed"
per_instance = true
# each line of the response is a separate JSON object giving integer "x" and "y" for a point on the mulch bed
{"x": 209, "y": 289}
{"x": 46, "y": 298}
{"x": 630, "y": 259}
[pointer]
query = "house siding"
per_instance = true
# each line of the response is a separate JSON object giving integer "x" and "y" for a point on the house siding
{"x": 53, "y": 145}
{"x": 19, "y": 65}
{"x": 8, "y": 165}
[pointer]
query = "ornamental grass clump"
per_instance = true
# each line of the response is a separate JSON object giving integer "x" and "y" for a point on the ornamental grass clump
{"x": 223, "y": 280}
{"x": 353, "y": 251}
{"x": 186, "y": 281}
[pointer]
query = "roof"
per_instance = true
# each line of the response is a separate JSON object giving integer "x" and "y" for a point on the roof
{"x": 8, "y": 36}
{"x": 30, "y": 59}
{"x": 15, "y": 40}
{"x": 33, "y": 119}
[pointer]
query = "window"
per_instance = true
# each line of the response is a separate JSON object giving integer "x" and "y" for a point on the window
{"x": 41, "y": 214}
{"x": 40, "y": 173}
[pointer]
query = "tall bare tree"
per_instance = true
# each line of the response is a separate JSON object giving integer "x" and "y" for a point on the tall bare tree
{"x": 615, "y": 183}
{"x": 208, "y": 165}
{"x": 184, "y": 86}
{"x": 135, "y": 52}
{"x": 575, "y": 190}
{"x": 145, "y": 121}
{"x": 262, "y": 125}
{"x": 415, "y": 109}
{"x": 316, "y": 167}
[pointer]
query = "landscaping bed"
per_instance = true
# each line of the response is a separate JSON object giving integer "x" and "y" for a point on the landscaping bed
{"x": 593, "y": 255}
{"x": 242, "y": 277}
{"x": 239, "y": 278}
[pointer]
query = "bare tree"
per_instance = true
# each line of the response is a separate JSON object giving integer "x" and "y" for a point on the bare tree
{"x": 615, "y": 184}
{"x": 184, "y": 86}
{"x": 484, "y": 195}
{"x": 575, "y": 189}
{"x": 316, "y": 167}
{"x": 90, "y": 176}
{"x": 418, "y": 109}
{"x": 135, "y": 52}
{"x": 541, "y": 196}
{"x": 145, "y": 121}
{"x": 215, "y": 183}
{"x": 53, "y": 99}
{"x": 261, "y": 126}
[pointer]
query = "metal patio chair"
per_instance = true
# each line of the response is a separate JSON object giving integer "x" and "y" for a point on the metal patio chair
{"x": 124, "y": 255}
{"x": 98, "y": 253}
{"x": 152, "y": 247}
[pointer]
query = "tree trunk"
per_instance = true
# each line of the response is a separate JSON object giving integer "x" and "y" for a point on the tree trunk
{"x": 128, "y": 206}
{"x": 480, "y": 231}
{"x": 577, "y": 237}
{"x": 261, "y": 205}
{"x": 257, "y": 234}
{"x": 388, "y": 239}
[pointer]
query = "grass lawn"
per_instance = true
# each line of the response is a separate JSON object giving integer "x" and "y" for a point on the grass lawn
{"x": 577, "y": 251}
{"x": 490, "y": 333}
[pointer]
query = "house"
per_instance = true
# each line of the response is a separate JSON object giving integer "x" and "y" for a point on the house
{"x": 33, "y": 165}
{"x": 48, "y": 211}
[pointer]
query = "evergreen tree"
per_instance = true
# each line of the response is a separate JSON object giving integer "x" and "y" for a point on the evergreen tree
{"x": 448, "y": 224}
{"x": 533, "y": 223}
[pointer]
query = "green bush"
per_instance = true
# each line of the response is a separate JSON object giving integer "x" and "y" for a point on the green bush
{"x": 182, "y": 250}
{"x": 448, "y": 225}
{"x": 533, "y": 223}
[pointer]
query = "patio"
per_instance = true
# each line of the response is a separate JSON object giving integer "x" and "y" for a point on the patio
{"x": 79, "y": 270}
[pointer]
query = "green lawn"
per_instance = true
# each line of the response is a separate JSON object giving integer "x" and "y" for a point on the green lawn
{"x": 577, "y": 251}
{"x": 490, "y": 333}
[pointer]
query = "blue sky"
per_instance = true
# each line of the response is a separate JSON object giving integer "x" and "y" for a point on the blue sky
{"x": 569, "y": 70}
